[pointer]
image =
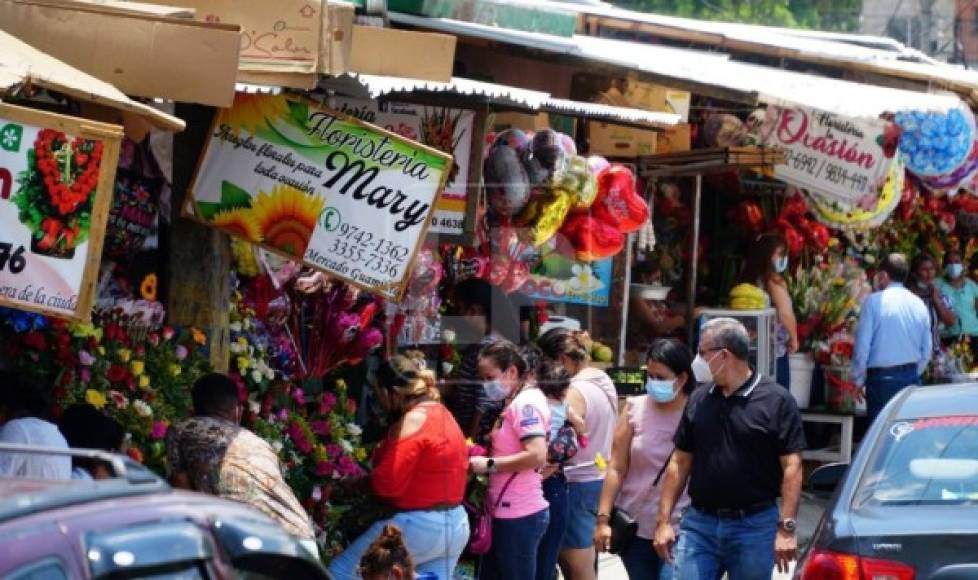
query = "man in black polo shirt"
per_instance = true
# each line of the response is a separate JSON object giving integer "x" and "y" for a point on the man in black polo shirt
{"x": 738, "y": 444}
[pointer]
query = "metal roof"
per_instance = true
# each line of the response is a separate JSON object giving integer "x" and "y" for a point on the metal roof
{"x": 706, "y": 71}
{"x": 375, "y": 87}
{"x": 23, "y": 65}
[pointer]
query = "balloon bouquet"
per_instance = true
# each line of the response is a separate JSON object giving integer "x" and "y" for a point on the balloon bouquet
{"x": 538, "y": 186}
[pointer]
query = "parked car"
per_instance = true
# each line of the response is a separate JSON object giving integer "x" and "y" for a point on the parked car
{"x": 136, "y": 526}
{"x": 907, "y": 507}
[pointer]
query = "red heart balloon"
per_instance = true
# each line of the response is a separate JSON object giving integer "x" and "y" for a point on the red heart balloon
{"x": 618, "y": 203}
{"x": 592, "y": 238}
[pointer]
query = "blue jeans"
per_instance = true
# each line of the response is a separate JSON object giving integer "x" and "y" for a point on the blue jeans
{"x": 642, "y": 563}
{"x": 555, "y": 492}
{"x": 582, "y": 516}
{"x": 435, "y": 540}
{"x": 515, "y": 543}
{"x": 743, "y": 548}
{"x": 883, "y": 386}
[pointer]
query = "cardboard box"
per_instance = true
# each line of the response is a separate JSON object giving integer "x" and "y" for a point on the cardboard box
{"x": 618, "y": 141}
{"x": 523, "y": 121}
{"x": 286, "y": 42}
{"x": 137, "y": 52}
{"x": 674, "y": 139}
{"x": 402, "y": 53}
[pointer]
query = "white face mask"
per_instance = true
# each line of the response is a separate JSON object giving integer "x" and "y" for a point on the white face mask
{"x": 701, "y": 370}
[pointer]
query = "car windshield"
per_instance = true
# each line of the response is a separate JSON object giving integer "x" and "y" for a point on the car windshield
{"x": 923, "y": 461}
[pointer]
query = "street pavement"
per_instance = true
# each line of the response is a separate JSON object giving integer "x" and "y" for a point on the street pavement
{"x": 809, "y": 513}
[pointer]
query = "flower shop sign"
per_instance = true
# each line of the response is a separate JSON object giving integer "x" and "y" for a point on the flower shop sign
{"x": 313, "y": 184}
{"x": 840, "y": 158}
{"x": 56, "y": 177}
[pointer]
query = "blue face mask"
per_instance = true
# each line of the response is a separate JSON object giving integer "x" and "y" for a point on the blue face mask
{"x": 954, "y": 270}
{"x": 661, "y": 391}
{"x": 781, "y": 264}
{"x": 495, "y": 391}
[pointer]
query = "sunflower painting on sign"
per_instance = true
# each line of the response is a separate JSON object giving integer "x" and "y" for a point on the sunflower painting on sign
{"x": 341, "y": 195}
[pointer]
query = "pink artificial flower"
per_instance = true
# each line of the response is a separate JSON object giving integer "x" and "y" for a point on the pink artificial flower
{"x": 85, "y": 376}
{"x": 348, "y": 468}
{"x": 298, "y": 436}
{"x": 320, "y": 428}
{"x": 299, "y": 395}
{"x": 327, "y": 403}
{"x": 325, "y": 469}
{"x": 118, "y": 399}
{"x": 85, "y": 358}
{"x": 168, "y": 332}
{"x": 154, "y": 339}
{"x": 334, "y": 450}
{"x": 159, "y": 430}
{"x": 283, "y": 414}
{"x": 181, "y": 352}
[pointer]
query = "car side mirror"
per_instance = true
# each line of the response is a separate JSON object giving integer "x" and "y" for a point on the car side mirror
{"x": 823, "y": 481}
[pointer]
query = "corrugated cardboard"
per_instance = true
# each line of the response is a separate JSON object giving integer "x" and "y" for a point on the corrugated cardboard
{"x": 617, "y": 141}
{"x": 141, "y": 54}
{"x": 402, "y": 53}
{"x": 674, "y": 139}
{"x": 285, "y": 42}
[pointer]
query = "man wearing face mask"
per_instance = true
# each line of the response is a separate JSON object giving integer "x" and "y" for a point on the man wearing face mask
{"x": 963, "y": 295}
{"x": 739, "y": 446}
{"x": 894, "y": 341}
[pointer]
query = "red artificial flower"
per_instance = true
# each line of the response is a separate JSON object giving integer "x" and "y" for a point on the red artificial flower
{"x": 135, "y": 454}
{"x": 750, "y": 217}
{"x": 35, "y": 340}
{"x": 795, "y": 207}
{"x": 117, "y": 373}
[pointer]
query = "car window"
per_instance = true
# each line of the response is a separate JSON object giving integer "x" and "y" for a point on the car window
{"x": 923, "y": 461}
{"x": 47, "y": 569}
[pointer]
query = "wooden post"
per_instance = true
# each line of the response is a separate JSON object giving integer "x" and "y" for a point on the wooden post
{"x": 198, "y": 288}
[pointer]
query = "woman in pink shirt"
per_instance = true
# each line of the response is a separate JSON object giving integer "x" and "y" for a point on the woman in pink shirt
{"x": 518, "y": 449}
{"x": 593, "y": 397}
{"x": 642, "y": 448}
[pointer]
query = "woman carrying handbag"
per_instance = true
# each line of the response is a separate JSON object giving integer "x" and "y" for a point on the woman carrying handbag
{"x": 642, "y": 447}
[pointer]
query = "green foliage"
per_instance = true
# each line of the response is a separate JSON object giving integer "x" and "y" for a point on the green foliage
{"x": 834, "y": 15}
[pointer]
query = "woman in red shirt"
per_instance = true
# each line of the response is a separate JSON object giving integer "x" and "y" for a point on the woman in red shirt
{"x": 419, "y": 468}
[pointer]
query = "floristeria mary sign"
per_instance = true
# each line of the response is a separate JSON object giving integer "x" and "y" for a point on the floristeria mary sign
{"x": 56, "y": 176}
{"x": 845, "y": 160}
{"x": 313, "y": 184}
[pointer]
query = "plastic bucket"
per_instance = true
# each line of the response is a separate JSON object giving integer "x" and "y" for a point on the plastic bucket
{"x": 802, "y": 369}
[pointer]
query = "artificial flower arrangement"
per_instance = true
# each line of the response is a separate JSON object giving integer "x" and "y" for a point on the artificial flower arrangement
{"x": 825, "y": 296}
{"x": 835, "y": 355}
{"x": 142, "y": 382}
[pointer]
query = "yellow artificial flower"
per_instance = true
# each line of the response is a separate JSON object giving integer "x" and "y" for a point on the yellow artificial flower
{"x": 360, "y": 454}
{"x": 124, "y": 354}
{"x": 95, "y": 398}
{"x": 199, "y": 336}
{"x": 101, "y": 350}
{"x": 138, "y": 367}
{"x": 144, "y": 382}
{"x": 243, "y": 362}
{"x": 175, "y": 370}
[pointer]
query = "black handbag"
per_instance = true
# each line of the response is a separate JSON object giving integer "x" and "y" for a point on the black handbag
{"x": 624, "y": 528}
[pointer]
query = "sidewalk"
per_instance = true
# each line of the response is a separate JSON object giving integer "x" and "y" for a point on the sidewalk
{"x": 809, "y": 514}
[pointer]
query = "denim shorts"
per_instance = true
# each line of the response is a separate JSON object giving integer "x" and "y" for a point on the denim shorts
{"x": 582, "y": 499}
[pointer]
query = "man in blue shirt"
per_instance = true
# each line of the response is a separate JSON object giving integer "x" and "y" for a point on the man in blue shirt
{"x": 893, "y": 337}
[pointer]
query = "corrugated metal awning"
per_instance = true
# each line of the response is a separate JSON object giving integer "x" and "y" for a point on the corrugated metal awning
{"x": 710, "y": 73}
{"x": 375, "y": 87}
{"x": 23, "y": 65}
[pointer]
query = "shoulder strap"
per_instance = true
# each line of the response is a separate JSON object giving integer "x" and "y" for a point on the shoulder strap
{"x": 662, "y": 470}
{"x": 499, "y": 500}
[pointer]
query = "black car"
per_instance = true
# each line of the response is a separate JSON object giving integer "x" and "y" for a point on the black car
{"x": 907, "y": 507}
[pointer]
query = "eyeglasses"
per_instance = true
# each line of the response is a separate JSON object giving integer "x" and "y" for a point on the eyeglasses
{"x": 703, "y": 352}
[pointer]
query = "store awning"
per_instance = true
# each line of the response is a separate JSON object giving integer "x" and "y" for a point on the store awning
{"x": 376, "y": 87}
{"x": 713, "y": 74}
{"x": 22, "y": 65}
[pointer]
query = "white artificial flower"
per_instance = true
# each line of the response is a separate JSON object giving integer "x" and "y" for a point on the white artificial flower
{"x": 236, "y": 347}
{"x": 354, "y": 430}
{"x": 448, "y": 336}
{"x": 254, "y": 406}
{"x": 269, "y": 373}
{"x": 346, "y": 446}
{"x": 277, "y": 446}
{"x": 256, "y": 376}
{"x": 446, "y": 367}
{"x": 235, "y": 327}
{"x": 142, "y": 409}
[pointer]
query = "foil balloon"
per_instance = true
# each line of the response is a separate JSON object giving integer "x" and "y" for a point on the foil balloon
{"x": 507, "y": 185}
{"x": 581, "y": 181}
{"x": 567, "y": 144}
{"x": 512, "y": 138}
{"x": 427, "y": 274}
{"x": 618, "y": 202}
{"x": 546, "y": 158}
{"x": 544, "y": 215}
{"x": 591, "y": 238}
